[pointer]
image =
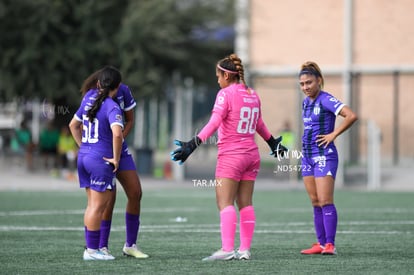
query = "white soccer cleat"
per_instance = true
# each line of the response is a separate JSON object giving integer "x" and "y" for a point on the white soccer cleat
{"x": 220, "y": 255}
{"x": 134, "y": 251}
{"x": 96, "y": 255}
{"x": 243, "y": 255}
{"x": 106, "y": 251}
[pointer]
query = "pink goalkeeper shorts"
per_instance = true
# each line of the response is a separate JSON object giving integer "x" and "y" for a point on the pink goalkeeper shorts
{"x": 238, "y": 167}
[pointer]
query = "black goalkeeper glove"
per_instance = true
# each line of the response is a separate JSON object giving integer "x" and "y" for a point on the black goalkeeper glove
{"x": 276, "y": 146}
{"x": 185, "y": 149}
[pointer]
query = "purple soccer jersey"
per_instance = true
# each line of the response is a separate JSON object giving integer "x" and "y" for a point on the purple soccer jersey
{"x": 126, "y": 102}
{"x": 319, "y": 119}
{"x": 97, "y": 135}
{"x": 93, "y": 170}
{"x": 124, "y": 98}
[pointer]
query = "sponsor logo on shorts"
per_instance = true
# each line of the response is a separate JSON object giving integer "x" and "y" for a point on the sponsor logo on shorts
{"x": 96, "y": 182}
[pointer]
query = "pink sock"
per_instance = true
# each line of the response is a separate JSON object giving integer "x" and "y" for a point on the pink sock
{"x": 228, "y": 222}
{"x": 247, "y": 223}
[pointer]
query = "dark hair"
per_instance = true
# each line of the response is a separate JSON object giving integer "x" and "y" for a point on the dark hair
{"x": 312, "y": 68}
{"x": 90, "y": 82}
{"x": 233, "y": 63}
{"x": 109, "y": 79}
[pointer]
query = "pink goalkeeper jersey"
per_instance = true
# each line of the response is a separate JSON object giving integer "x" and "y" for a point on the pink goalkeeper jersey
{"x": 237, "y": 116}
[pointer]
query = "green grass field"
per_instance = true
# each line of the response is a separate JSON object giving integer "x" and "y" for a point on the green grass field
{"x": 42, "y": 233}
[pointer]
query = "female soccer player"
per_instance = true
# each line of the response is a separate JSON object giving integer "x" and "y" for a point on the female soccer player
{"x": 100, "y": 141}
{"x": 126, "y": 174}
{"x": 319, "y": 111}
{"x": 237, "y": 116}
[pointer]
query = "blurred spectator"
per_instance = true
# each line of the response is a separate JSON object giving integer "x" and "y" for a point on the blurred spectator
{"x": 22, "y": 143}
{"x": 288, "y": 136}
{"x": 67, "y": 153}
{"x": 48, "y": 141}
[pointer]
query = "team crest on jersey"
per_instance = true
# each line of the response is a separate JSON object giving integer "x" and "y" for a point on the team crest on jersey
{"x": 118, "y": 118}
{"x": 220, "y": 100}
{"x": 316, "y": 110}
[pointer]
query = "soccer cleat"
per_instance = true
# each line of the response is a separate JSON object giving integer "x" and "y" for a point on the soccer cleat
{"x": 316, "y": 248}
{"x": 243, "y": 255}
{"x": 134, "y": 251}
{"x": 106, "y": 251}
{"x": 96, "y": 255}
{"x": 329, "y": 249}
{"x": 220, "y": 255}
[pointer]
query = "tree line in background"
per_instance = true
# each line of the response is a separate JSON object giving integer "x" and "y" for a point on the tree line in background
{"x": 48, "y": 47}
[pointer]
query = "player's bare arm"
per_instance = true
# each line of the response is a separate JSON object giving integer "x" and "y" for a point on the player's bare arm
{"x": 76, "y": 130}
{"x": 129, "y": 122}
{"x": 349, "y": 118}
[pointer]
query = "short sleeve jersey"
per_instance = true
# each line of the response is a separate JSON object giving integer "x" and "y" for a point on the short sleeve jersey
{"x": 126, "y": 102}
{"x": 319, "y": 118}
{"x": 240, "y": 111}
{"x": 124, "y": 98}
{"x": 97, "y": 135}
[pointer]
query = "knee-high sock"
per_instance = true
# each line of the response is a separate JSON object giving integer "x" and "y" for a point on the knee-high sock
{"x": 132, "y": 227}
{"x": 247, "y": 224}
{"x": 105, "y": 231}
{"x": 228, "y": 223}
{"x": 330, "y": 220}
{"x": 92, "y": 239}
{"x": 319, "y": 224}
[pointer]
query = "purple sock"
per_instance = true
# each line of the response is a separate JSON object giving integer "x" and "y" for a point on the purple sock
{"x": 92, "y": 239}
{"x": 319, "y": 224}
{"x": 105, "y": 231}
{"x": 330, "y": 220}
{"x": 132, "y": 227}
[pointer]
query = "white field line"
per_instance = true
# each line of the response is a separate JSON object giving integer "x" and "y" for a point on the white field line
{"x": 81, "y": 211}
{"x": 198, "y": 230}
{"x": 194, "y": 209}
{"x": 261, "y": 228}
{"x": 173, "y": 227}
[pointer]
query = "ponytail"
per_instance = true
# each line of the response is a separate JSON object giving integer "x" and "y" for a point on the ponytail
{"x": 312, "y": 68}
{"x": 232, "y": 64}
{"x": 109, "y": 79}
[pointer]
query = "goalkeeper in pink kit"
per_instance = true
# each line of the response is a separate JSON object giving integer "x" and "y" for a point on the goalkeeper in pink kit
{"x": 237, "y": 117}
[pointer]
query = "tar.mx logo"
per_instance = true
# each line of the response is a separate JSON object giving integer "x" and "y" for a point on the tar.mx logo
{"x": 289, "y": 154}
{"x": 204, "y": 183}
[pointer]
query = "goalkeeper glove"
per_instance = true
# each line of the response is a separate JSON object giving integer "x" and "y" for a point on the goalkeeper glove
{"x": 276, "y": 146}
{"x": 185, "y": 149}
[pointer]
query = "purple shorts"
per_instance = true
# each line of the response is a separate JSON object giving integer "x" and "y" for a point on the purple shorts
{"x": 95, "y": 173}
{"x": 320, "y": 166}
{"x": 238, "y": 167}
{"x": 126, "y": 163}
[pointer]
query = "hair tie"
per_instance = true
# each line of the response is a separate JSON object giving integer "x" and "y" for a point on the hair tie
{"x": 225, "y": 70}
{"x": 309, "y": 71}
